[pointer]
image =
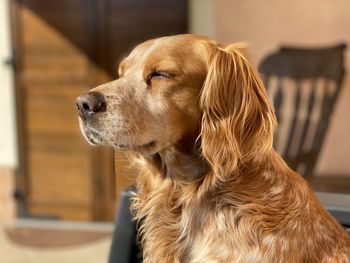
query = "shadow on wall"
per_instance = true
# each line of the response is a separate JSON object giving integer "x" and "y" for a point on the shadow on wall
{"x": 91, "y": 33}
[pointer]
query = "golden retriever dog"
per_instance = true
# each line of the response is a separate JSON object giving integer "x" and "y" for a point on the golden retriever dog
{"x": 196, "y": 119}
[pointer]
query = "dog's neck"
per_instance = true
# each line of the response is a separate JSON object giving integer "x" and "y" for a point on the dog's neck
{"x": 186, "y": 165}
{"x": 178, "y": 163}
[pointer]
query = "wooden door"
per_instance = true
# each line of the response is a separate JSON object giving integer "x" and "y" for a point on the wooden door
{"x": 52, "y": 41}
{"x": 63, "y": 49}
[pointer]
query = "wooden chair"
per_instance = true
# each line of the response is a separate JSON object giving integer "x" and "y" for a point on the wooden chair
{"x": 306, "y": 82}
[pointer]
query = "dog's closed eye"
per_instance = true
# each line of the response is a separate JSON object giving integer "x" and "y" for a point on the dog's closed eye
{"x": 160, "y": 74}
{"x": 157, "y": 75}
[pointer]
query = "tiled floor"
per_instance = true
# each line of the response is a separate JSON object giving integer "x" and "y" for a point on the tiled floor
{"x": 16, "y": 246}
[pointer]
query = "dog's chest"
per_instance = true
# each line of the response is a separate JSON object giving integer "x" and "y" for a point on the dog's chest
{"x": 192, "y": 233}
{"x": 175, "y": 228}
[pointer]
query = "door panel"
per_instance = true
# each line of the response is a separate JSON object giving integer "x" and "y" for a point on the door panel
{"x": 52, "y": 71}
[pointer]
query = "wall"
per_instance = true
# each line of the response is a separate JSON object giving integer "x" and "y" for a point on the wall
{"x": 8, "y": 159}
{"x": 7, "y": 113}
{"x": 265, "y": 25}
{"x": 201, "y": 17}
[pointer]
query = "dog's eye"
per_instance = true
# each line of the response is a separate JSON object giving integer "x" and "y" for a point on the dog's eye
{"x": 160, "y": 74}
{"x": 157, "y": 74}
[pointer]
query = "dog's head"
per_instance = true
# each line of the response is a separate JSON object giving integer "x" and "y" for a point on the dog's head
{"x": 172, "y": 91}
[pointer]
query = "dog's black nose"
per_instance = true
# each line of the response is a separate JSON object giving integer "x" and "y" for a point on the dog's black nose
{"x": 90, "y": 103}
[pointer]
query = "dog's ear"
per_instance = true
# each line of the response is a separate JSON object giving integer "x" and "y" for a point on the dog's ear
{"x": 238, "y": 121}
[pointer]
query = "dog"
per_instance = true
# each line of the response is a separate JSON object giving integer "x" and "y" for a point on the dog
{"x": 196, "y": 119}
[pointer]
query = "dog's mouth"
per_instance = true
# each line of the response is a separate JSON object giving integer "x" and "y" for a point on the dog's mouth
{"x": 92, "y": 136}
{"x": 95, "y": 137}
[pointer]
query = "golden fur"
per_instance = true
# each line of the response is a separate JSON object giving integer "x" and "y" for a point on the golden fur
{"x": 199, "y": 125}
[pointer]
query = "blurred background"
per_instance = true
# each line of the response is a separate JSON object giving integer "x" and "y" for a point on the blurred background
{"x": 58, "y": 196}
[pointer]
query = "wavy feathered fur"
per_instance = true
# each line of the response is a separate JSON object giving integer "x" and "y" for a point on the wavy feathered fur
{"x": 236, "y": 113}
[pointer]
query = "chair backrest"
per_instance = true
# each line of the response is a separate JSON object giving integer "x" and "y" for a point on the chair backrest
{"x": 125, "y": 247}
{"x": 304, "y": 85}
